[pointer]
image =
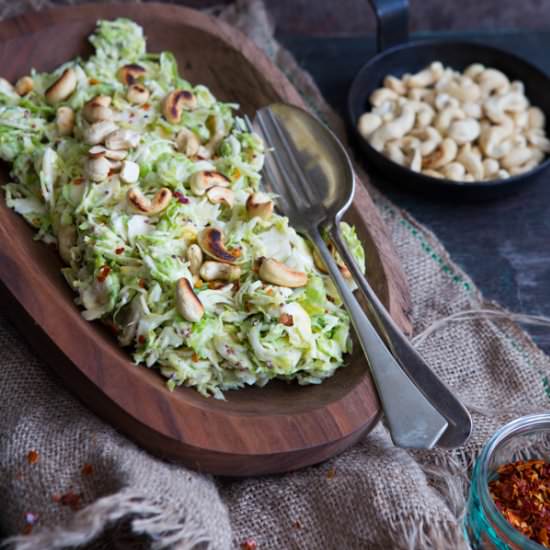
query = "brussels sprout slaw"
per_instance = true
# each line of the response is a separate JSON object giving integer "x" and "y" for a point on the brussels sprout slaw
{"x": 149, "y": 187}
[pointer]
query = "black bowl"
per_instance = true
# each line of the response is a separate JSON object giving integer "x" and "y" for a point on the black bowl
{"x": 413, "y": 57}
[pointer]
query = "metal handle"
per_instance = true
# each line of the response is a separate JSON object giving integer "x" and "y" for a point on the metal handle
{"x": 413, "y": 422}
{"x": 458, "y": 417}
{"x": 392, "y": 22}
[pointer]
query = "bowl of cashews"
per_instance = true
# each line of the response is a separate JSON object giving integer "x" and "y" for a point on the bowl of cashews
{"x": 452, "y": 117}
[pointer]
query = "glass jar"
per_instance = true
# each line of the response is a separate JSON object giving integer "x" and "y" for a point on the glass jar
{"x": 526, "y": 438}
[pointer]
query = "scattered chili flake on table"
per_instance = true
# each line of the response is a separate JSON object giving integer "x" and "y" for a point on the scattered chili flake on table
{"x": 87, "y": 470}
{"x": 522, "y": 495}
{"x": 249, "y": 544}
{"x": 33, "y": 457}
{"x": 70, "y": 498}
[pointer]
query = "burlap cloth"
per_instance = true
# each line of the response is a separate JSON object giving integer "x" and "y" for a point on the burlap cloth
{"x": 372, "y": 496}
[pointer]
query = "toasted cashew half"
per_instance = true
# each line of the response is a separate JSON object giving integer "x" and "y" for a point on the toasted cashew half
{"x": 98, "y": 131}
{"x": 200, "y": 182}
{"x": 211, "y": 240}
{"x": 62, "y": 88}
{"x": 137, "y": 94}
{"x": 24, "y": 85}
{"x": 259, "y": 204}
{"x": 149, "y": 207}
{"x": 187, "y": 142}
{"x": 217, "y": 271}
{"x": 321, "y": 266}
{"x": 188, "y": 304}
{"x": 64, "y": 120}
{"x": 277, "y": 273}
{"x": 176, "y": 102}
{"x": 221, "y": 195}
{"x": 122, "y": 140}
{"x": 128, "y": 74}
{"x": 98, "y": 109}
{"x": 129, "y": 171}
{"x": 98, "y": 168}
{"x": 195, "y": 258}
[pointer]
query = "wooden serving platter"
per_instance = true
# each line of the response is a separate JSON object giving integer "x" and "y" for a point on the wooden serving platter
{"x": 256, "y": 430}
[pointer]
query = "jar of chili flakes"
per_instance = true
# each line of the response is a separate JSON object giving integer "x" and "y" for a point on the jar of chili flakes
{"x": 508, "y": 506}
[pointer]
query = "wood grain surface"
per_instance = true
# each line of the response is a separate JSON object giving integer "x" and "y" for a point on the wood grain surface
{"x": 256, "y": 430}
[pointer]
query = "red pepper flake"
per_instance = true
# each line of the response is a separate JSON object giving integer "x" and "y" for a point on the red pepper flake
{"x": 195, "y": 358}
{"x": 286, "y": 319}
{"x": 119, "y": 250}
{"x": 56, "y": 498}
{"x": 249, "y": 544}
{"x": 103, "y": 273}
{"x": 141, "y": 283}
{"x": 33, "y": 457}
{"x": 522, "y": 495}
{"x": 146, "y": 106}
{"x": 215, "y": 285}
{"x": 77, "y": 181}
{"x": 181, "y": 197}
{"x": 331, "y": 473}
{"x": 93, "y": 81}
{"x": 235, "y": 251}
{"x": 87, "y": 470}
{"x": 141, "y": 339}
{"x": 71, "y": 499}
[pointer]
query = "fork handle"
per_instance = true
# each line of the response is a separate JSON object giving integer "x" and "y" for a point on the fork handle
{"x": 412, "y": 420}
{"x": 460, "y": 422}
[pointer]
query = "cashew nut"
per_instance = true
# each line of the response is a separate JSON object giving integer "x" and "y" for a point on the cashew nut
{"x": 497, "y": 106}
{"x": 129, "y": 74}
{"x": 98, "y": 109}
{"x": 464, "y": 90}
{"x": 491, "y": 140}
{"x": 539, "y": 140}
{"x": 473, "y": 71}
{"x": 260, "y": 205}
{"x": 129, "y": 172}
{"x": 429, "y": 137}
{"x": 426, "y": 77}
{"x": 187, "y": 142}
{"x": 395, "y": 84}
{"x": 446, "y": 116}
{"x": 491, "y": 80}
{"x": 98, "y": 131}
{"x": 211, "y": 241}
{"x": 137, "y": 94}
{"x": 368, "y": 123}
{"x": 433, "y": 174}
{"x": 454, "y": 171}
{"x": 64, "y": 120}
{"x": 217, "y": 271}
{"x": 445, "y": 152}
{"x": 62, "y": 88}
{"x": 516, "y": 157}
{"x": 188, "y": 304}
{"x": 472, "y": 110}
{"x": 98, "y": 168}
{"x": 99, "y": 150}
{"x": 176, "y": 102}
{"x": 536, "y": 118}
{"x": 200, "y": 182}
{"x": 149, "y": 207}
{"x": 464, "y": 131}
{"x": 195, "y": 258}
{"x": 277, "y": 273}
{"x": 443, "y": 100}
{"x": 471, "y": 161}
{"x": 397, "y": 128}
{"x": 219, "y": 195}
{"x": 24, "y": 85}
{"x": 382, "y": 95}
{"x": 321, "y": 266}
{"x": 122, "y": 140}
{"x": 490, "y": 168}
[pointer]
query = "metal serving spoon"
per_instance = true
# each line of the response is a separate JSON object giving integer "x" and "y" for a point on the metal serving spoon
{"x": 313, "y": 176}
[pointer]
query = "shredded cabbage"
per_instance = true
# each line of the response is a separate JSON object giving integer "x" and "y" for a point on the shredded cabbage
{"x": 124, "y": 264}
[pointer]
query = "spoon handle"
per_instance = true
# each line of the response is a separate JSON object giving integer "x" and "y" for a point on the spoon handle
{"x": 413, "y": 421}
{"x": 458, "y": 417}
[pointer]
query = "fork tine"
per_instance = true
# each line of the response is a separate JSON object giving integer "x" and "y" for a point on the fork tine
{"x": 301, "y": 177}
{"x": 286, "y": 179}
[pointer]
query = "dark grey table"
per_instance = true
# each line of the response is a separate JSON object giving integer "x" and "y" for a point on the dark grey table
{"x": 504, "y": 245}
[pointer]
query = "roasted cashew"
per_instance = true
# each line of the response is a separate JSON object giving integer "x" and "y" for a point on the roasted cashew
{"x": 129, "y": 172}
{"x": 129, "y": 74}
{"x": 66, "y": 239}
{"x": 146, "y": 206}
{"x": 122, "y": 140}
{"x": 221, "y": 195}
{"x": 187, "y": 142}
{"x": 64, "y": 120}
{"x": 24, "y": 85}
{"x": 98, "y": 109}
{"x": 137, "y": 94}
{"x": 176, "y": 102}
{"x": 62, "y": 88}
{"x": 188, "y": 304}
{"x": 277, "y": 273}
{"x": 195, "y": 258}
{"x": 98, "y": 168}
{"x": 211, "y": 241}
{"x": 200, "y": 182}
{"x": 259, "y": 204}
{"x": 98, "y": 131}
{"x": 217, "y": 271}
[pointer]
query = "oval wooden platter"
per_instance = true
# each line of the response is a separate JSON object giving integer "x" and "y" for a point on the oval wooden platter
{"x": 277, "y": 428}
